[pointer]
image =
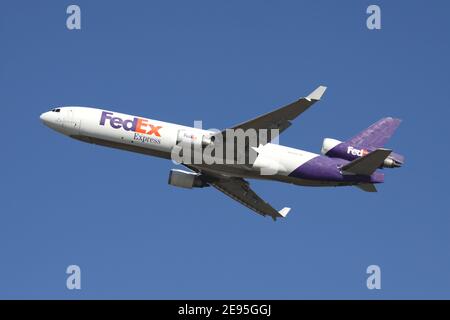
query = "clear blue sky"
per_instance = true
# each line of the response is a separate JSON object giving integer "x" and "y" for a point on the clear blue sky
{"x": 112, "y": 213}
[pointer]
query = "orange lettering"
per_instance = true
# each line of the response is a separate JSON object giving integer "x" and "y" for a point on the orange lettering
{"x": 139, "y": 125}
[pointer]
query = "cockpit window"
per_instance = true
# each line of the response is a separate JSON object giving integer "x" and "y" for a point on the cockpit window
{"x": 56, "y": 110}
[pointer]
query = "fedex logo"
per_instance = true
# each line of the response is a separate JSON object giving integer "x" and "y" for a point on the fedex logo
{"x": 357, "y": 152}
{"x": 138, "y": 125}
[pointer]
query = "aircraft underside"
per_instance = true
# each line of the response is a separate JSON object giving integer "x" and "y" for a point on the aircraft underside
{"x": 218, "y": 170}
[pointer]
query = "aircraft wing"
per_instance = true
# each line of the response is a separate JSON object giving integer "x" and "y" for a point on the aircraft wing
{"x": 281, "y": 118}
{"x": 239, "y": 190}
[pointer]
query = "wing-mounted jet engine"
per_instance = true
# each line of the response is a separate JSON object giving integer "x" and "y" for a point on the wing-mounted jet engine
{"x": 186, "y": 179}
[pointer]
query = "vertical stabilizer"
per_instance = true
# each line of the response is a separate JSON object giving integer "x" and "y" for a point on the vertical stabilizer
{"x": 376, "y": 135}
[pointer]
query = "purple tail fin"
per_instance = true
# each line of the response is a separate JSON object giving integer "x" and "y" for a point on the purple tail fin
{"x": 376, "y": 135}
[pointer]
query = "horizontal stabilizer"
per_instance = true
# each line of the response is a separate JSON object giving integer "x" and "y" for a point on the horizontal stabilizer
{"x": 368, "y": 164}
{"x": 367, "y": 187}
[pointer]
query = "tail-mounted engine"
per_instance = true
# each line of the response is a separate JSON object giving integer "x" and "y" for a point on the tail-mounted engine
{"x": 337, "y": 149}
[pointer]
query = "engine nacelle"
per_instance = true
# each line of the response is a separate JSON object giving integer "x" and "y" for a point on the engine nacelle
{"x": 186, "y": 179}
{"x": 329, "y": 144}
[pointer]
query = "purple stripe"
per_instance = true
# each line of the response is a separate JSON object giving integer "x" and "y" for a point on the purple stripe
{"x": 322, "y": 168}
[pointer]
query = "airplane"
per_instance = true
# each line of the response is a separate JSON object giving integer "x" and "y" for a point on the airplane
{"x": 354, "y": 162}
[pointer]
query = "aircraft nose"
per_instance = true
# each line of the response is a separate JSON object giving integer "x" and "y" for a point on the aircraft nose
{"x": 51, "y": 120}
{"x": 45, "y": 118}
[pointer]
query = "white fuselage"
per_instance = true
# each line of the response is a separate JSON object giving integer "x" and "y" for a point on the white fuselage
{"x": 158, "y": 138}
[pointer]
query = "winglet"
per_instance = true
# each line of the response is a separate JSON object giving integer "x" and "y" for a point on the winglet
{"x": 317, "y": 94}
{"x": 283, "y": 212}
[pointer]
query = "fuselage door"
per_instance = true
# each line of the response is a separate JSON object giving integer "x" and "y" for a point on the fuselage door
{"x": 71, "y": 122}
